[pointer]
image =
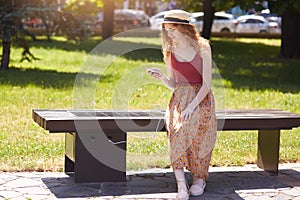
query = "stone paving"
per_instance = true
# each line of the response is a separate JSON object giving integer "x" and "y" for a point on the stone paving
{"x": 225, "y": 183}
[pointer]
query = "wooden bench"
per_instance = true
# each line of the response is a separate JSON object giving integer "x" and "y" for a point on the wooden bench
{"x": 91, "y": 136}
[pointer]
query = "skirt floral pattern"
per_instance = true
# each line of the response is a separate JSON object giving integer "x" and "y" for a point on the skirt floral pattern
{"x": 191, "y": 142}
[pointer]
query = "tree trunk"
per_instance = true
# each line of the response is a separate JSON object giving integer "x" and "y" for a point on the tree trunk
{"x": 5, "y": 55}
{"x": 7, "y": 31}
{"x": 20, "y": 27}
{"x": 208, "y": 18}
{"x": 290, "y": 40}
{"x": 47, "y": 28}
{"x": 108, "y": 19}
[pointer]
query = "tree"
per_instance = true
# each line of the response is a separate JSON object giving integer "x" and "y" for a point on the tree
{"x": 289, "y": 10}
{"x": 82, "y": 13}
{"x": 11, "y": 27}
{"x": 108, "y": 7}
{"x": 94, "y": 6}
{"x": 84, "y": 9}
{"x": 108, "y": 18}
{"x": 12, "y": 12}
{"x": 208, "y": 18}
{"x": 207, "y": 6}
{"x": 8, "y": 15}
{"x": 47, "y": 11}
{"x": 290, "y": 29}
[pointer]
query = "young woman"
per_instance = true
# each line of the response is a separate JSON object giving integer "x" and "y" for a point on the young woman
{"x": 190, "y": 116}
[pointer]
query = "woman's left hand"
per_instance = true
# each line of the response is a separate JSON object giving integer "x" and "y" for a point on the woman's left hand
{"x": 186, "y": 114}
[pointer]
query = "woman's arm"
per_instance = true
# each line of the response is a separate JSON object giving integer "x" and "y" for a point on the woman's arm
{"x": 206, "y": 77}
{"x": 168, "y": 80}
{"x": 206, "y": 86}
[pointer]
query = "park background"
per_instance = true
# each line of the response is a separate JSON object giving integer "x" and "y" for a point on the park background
{"x": 254, "y": 73}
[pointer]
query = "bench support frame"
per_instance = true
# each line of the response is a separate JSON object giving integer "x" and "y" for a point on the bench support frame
{"x": 268, "y": 150}
{"x": 89, "y": 169}
{"x": 85, "y": 167}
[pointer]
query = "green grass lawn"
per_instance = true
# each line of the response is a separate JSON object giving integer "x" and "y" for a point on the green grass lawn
{"x": 252, "y": 76}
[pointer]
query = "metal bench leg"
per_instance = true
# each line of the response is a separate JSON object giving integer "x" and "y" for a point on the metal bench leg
{"x": 88, "y": 168}
{"x": 268, "y": 150}
{"x": 69, "y": 165}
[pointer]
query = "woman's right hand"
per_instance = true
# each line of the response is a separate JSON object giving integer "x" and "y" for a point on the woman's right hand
{"x": 155, "y": 73}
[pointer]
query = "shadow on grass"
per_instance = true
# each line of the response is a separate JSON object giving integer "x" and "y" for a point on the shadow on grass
{"x": 44, "y": 78}
{"x": 255, "y": 66}
{"x": 85, "y": 46}
{"x": 129, "y": 50}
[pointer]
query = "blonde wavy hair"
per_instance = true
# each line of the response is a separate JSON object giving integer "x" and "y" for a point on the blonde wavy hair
{"x": 188, "y": 30}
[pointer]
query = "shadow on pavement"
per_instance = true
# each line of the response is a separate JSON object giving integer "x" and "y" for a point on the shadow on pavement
{"x": 221, "y": 185}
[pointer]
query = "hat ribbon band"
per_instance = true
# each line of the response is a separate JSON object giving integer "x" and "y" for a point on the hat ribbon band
{"x": 172, "y": 19}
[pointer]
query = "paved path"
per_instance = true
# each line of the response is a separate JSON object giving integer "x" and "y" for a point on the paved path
{"x": 225, "y": 183}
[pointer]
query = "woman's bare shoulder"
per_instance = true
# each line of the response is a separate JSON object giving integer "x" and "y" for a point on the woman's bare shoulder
{"x": 204, "y": 46}
{"x": 204, "y": 43}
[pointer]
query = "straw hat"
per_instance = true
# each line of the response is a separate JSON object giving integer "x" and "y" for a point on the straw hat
{"x": 177, "y": 17}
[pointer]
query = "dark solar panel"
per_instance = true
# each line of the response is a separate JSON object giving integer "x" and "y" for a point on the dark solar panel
{"x": 118, "y": 113}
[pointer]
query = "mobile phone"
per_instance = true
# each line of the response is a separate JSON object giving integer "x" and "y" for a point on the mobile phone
{"x": 152, "y": 71}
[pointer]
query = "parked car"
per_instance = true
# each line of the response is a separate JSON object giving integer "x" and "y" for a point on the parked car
{"x": 156, "y": 20}
{"x": 256, "y": 24}
{"x": 271, "y": 17}
{"x": 125, "y": 19}
{"x": 223, "y": 22}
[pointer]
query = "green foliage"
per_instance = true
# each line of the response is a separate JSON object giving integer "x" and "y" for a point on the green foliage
{"x": 282, "y": 6}
{"x": 84, "y": 10}
{"x": 188, "y": 5}
{"x": 191, "y": 5}
{"x": 45, "y": 9}
{"x": 12, "y": 11}
{"x": 276, "y": 6}
{"x": 244, "y": 4}
{"x": 8, "y": 15}
{"x": 98, "y": 3}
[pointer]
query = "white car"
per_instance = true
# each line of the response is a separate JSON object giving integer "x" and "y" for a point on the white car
{"x": 223, "y": 22}
{"x": 156, "y": 20}
{"x": 256, "y": 24}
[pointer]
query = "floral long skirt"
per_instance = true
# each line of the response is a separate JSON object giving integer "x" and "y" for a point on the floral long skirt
{"x": 191, "y": 142}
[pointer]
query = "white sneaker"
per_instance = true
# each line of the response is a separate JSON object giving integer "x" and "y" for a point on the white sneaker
{"x": 183, "y": 193}
{"x": 197, "y": 188}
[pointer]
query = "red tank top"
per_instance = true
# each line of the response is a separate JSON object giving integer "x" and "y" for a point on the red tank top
{"x": 187, "y": 72}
